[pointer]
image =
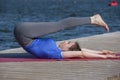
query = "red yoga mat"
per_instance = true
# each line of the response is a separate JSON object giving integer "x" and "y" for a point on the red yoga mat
{"x": 46, "y": 60}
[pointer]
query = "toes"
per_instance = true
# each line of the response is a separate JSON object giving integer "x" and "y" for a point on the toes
{"x": 106, "y": 28}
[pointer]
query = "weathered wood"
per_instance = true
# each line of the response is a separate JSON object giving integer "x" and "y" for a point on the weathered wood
{"x": 73, "y": 70}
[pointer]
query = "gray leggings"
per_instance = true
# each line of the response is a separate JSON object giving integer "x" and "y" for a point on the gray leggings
{"x": 26, "y": 32}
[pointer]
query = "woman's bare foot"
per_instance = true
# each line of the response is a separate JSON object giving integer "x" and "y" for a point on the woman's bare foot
{"x": 97, "y": 20}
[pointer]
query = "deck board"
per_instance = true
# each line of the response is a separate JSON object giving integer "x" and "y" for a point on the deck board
{"x": 85, "y": 70}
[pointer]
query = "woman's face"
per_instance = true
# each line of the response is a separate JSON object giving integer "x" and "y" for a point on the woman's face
{"x": 67, "y": 45}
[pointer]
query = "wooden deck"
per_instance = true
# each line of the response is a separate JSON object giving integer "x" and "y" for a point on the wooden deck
{"x": 73, "y": 70}
{"x": 65, "y": 70}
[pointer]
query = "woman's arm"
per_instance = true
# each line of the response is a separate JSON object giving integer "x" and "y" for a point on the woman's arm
{"x": 87, "y": 53}
{"x": 72, "y": 54}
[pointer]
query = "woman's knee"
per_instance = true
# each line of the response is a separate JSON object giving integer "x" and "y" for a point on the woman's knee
{"x": 18, "y": 27}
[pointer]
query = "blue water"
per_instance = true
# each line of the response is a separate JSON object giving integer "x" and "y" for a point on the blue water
{"x": 13, "y": 11}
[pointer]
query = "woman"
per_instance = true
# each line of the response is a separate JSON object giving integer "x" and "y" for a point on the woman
{"x": 27, "y": 36}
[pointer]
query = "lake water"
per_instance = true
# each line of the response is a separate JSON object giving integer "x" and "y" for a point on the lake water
{"x": 14, "y": 11}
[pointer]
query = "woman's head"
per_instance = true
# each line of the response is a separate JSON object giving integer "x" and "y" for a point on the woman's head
{"x": 69, "y": 46}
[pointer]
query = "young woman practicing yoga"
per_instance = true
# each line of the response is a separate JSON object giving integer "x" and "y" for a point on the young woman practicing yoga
{"x": 28, "y": 36}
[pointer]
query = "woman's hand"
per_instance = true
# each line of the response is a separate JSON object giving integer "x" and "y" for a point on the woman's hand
{"x": 99, "y": 54}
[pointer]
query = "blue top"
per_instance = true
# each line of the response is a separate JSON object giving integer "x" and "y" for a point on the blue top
{"x": 44, "y": 48}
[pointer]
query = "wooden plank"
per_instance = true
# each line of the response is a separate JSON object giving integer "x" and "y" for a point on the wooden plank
{"x": 73, "y": 70}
